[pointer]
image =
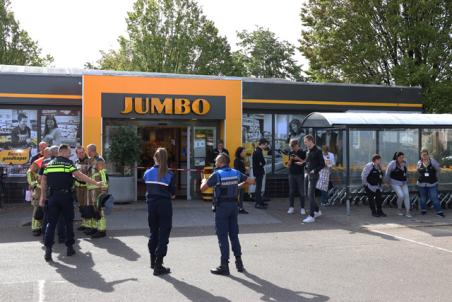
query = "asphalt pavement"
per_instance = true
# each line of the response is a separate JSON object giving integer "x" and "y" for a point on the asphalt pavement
{"x": 338, "y": 258}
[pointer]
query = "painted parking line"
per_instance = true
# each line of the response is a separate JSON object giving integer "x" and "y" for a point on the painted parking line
{"x": 412, "y": 241}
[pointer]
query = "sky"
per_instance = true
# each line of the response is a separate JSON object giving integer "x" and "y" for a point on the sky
{"x": 74, "y": 31}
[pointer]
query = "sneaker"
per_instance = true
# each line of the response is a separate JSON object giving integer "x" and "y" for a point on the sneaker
{"x": 291, "y": 210}
{"x": 317, "y": 214}
{"x": 441, "y": 214}
{"x": 400, "y": 213}
{"x": 303, "y": 211}
{"x": 408, "y": 215}
{"x": 309, "y": 219}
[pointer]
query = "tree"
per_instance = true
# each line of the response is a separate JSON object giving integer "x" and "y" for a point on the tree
{"x": 170, "y": 36}
{"x": 16, "y": 46}
{"x": 263, "y": 55}
{"x": 402, "y": 42}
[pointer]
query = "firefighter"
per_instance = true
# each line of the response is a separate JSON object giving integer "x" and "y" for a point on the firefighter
{"x": 94, "y": 194}
{"x": 81, "y": 193}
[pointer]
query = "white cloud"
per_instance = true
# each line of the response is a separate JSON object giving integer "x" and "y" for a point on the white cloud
{"x": 74, "y": 31}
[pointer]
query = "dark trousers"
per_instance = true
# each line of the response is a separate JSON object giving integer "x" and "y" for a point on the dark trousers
{"x": 258, "y": 192}
{"x": 296, "y": 185}
{"x": 61, "y": 226}
{"x": 241, "y": 197}
{"x": 375, "y": 200}
{"x": 160, "y": 219}
{"x": 311, "y": 181}
{"x": 59, "y": 204}
{"x": 226, "y": 225}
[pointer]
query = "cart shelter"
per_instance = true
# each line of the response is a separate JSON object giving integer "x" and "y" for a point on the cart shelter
{"x": 359, "y": 135}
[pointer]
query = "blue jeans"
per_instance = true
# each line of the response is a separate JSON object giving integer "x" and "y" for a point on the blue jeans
{"x": 429, "y": 192}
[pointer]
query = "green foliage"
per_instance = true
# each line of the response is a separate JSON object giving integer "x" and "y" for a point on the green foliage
{"x": 402, "y": 42}
{"x": 16, "y": 46}
{"x": 124, "y": 149}
{"x": 263, "y": 55}
{"x": 171, "y": 36}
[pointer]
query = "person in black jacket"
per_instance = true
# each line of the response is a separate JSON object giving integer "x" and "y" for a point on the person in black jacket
{"x": 239, "y": 165}
{"x": 259, "y": 172}
{"x": 314, "y": 163}
{"x": 219, "y": 150}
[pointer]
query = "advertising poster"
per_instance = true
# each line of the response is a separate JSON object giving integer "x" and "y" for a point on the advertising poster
{"x": 61, "y": 127}
{"x": 18, "y": 129}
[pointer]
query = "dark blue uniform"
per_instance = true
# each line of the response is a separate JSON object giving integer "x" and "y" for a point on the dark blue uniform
{"x": 225, "y": 182}
{"x": 60, "y": 198}
{"x": 160, "y": 210}
{"x": 61, "y": 225}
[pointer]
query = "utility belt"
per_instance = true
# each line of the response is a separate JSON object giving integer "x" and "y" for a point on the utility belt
{"x": 80, "y": 184}
{"x": 61, "y": 191}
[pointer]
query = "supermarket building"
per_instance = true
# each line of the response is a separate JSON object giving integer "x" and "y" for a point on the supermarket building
{"x": 187, "y": 114}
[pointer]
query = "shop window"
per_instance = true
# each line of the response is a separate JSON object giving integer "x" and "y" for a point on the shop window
{"x": 362, "y": 147}
{"x": 404, "y": 140}
{"x": 439, "y": 144}
{"x": 334, "y": 139}
{"x": 254, "y": 127}
{"x": 287, "y": 127}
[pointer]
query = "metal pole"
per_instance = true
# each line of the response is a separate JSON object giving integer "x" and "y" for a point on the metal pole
{"x": 347, "y": 142}
{"x": 188, "y": 163}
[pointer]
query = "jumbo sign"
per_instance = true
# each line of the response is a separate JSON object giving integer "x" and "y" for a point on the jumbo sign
{"x": 169, "y": 106}
{"x": 115, "y": 105}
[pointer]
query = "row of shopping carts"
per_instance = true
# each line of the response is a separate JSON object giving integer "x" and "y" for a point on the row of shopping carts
{"x": 338, "y": 196}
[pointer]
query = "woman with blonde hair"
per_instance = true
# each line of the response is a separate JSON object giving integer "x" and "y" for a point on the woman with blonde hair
{"x": 160, "y": 190}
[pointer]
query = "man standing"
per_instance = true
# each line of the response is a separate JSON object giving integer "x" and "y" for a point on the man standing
{"x": 226, "y": 182}
{"x": 58, "y": 179}
{"x": 35, "y": 188}
{"x": 314, "y": 163}
{"x": 81, "y": 193}
{"x": 42, "y": 146}
{"x": 220, "y": 149}
{"x": 259, "y": 172}
{"x": 297, "y": 159}
{"x": 93, "y": 158}
{"x": 21, "y": 135}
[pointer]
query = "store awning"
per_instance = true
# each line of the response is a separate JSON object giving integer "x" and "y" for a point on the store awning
{"x": 380, "y": 120}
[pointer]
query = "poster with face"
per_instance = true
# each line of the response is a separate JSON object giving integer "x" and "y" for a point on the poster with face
{"x": 60, "y": 127}
{"x": 18, "y": 129}
{"x": 287, "y": 128}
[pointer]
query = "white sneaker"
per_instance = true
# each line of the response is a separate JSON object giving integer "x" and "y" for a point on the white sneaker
{"x": 400, "y": 213}
{"x": 291, "y": 210}
{"x": 317, "y": 214}
{"x": 303, "y": 211}
{"x": 309, "y": 219}
{"x": 408, "y": 215}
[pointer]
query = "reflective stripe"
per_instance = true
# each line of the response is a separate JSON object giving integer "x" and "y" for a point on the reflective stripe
{"x": 157, "y": 183}
{"x": 58, "y": 170}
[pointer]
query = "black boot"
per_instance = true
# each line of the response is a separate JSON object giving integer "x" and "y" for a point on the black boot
{"x": 89, "y": 231}
{"x": 223, "y": 269}
{"x": 70, "y": 251}
{"x": 159, "y": 269}
{"x": 380, "y": 213}
{"x": 239, "y": 264}
{"x": 152, "y": 261}
{"x": 48, "y": 255}
{"x": 99, "y": 234}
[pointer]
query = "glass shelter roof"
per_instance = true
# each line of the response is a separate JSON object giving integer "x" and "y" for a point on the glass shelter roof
{"x": 379, "y": 120}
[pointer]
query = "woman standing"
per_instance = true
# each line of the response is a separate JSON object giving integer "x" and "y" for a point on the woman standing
{"x": 427, "y": 182}
{"x": 52, "y": 134}
{"x": 396, "y": 174}
{"x": 328, "y": 157}
{"x": 372, "y": 178}
{"x": 239, "y": 165}
{"x": 160, "y": 189}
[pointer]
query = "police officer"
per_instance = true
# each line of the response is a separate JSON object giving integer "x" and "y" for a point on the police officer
{"x": 226, "y": 182}
{"x": 372, "y": 178}
{"x": 160, "y": 189}
{"x": 53, "y": 153}
{"x": 58, "y": 181}
{"x": 81, "y": 193}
